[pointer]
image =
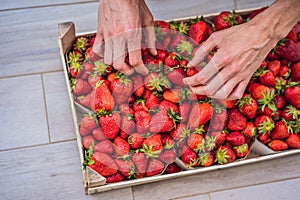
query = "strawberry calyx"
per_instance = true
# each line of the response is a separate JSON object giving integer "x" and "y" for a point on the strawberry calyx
{"x": 218, "y": 108}
{"x": 99, "y": 83}
{"x": 203, "y": 158}
{"x": 210, "y": 143}
{"x": 291, "y": 110}
{"x": 185, "y": 46}
{"x": 241, "y": 149}
{"x": 281, "y": 85}
{"x": 157, "y": 83}
{"x": 266, "y": 126}
{"x": 75, "y": 57}
{"x": 184, "y": 134}
{"x": 147, "y": 150}
{"x": 100, "y": 68}
{"x": 88, "y": 156}
{"x": 221, "y": 156}
{"x": 81, "y": 44}
{"x": 123, "y": 78}
{"x": 246, "y": 100}
{"x": 268, "y": 100}
{"x": 174, "y": 117}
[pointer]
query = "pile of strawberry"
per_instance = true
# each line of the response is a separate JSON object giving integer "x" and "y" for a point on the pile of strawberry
{"x": 139, "y": 125}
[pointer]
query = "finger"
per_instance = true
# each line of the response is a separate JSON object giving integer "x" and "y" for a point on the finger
{"x": 98, "y": 46}
{"x": 202, "y": 52}
{"x": 108, "y": 53}
{"x": 150, "y": 39}
{"x": 226, "y": 89}
{"x": 119, "y": 45}
{"x": 239, "y": 90}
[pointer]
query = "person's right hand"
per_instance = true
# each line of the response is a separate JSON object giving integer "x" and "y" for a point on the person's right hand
{"x": 121, "y": 24}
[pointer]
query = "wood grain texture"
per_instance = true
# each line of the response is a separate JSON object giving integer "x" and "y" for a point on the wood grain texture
{"x": 287, "y": 189}
{"x": 242, "y": 176}
{"x": 61, "y": 124}
{"x": 47, "y": 172}
{"x": 23, "y": 116}
{"x": 196, "y": 197}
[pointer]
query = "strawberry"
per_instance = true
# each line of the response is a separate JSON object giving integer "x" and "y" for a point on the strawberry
{"x": 280, "y": 102}
{"x": 292, "y": 95}
{"x": 110, "y": 124}
{"x": 138, "y": 85}
{"x": 247, "y": 106}
{"x": 293, "y": 141}
{"x": 196, "y": 142}
{"x": 121, "y": 88}
{"x": 288, "y": 50}
{"x": 88, "y": 69}
{"x": 220, "y": 137}
{"x": 98, "y": 134}
{"x": 91, "y": 55}
{"x": 294, "y": 33}
{"x": 93, "y": 79}
{"x": 152, "y": 145}
{"x": 250, "y": 131}
{"x": 75, "y": 57}
{"x": 184, "y": 111}
{"x": 75, "y": 69}
{"x": 241, "y": 151}
{"x": 274, "y": 66}
{"x": 140, "y": 161}
{"x": 267, "y": 102}
{"x": 290, "y": 113}
{"x": 104, "y": 146}
{"x": 189, "y": 157}
{"x": 135, "y": 140}
{"x": 236, "y": 120}
{"x": 165, "y": 105}
{"x": 103, "y": 164}
{"x": 117, "y": 177}
{"x": 198, "y": 31}
{"x": 281, "y": 130}
{"x": 225, "y": 155}
{"x": 167, "y": 141}
{"x": 142, "y": 120}
{"x": 284, "y": 72}
{"x": 184, "y": 47}
{"x": 164, "y": 121}
{"x": 127, "y": 124}
{"x": 295, "y": 71}
{"x": 125, "y": 167}
{"x": 84, "y": 100}
{"x": 101, "y": 98}
{"x": 122, "y": 148}
{"x": 125, "y": 109}
{"x": 167, "y": 156}
{"x": 180, "y": 132}
{"x": 88, "y": 141}
{"x": 176, "y": 40}
{"x": 219, "y": 118}
{"x": 235, "y": 138}
{"x": 100, "y": 68}
{"x": 229, "y": 104}
{"x": 81, "y": 87}
{"x": 199, "y": 115}
{"x": 161, "y": 54}
{"x": 225, "y": 20}
{"x": 272, "y": 55}
{"x": 151, "y": 102}
{"x": 206, "y": 159}
{"x": 265, "y": 125}
{"x": 154, "y": 167}
{"x": 256, "y": 90}
{"x": 191, "y": 71}
{"x": 156, "y": 82}
{"x": 81, "y": 44}
{"x": 172, "y": 168}
{"x": 88, "y": 124}
{"x": 278, "y": 145}
{"x": 172, "y": 95}
{"x": 267, "y": 78}
{"x": 176, "y": 76}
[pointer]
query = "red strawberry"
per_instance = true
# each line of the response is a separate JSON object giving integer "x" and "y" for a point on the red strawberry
{"x": 110, "y": 124}
{"x": 219, "y": 118}
{"x": 88, "y": 69}
{"x": 81, "y": 87}
{"x": 274, "y": 66}
{"x": 295, "y": 71}
{"x": 225, "y": 20}
{"x": 117, "y": 177}
{"x": 140, "y": 161}
{"x": 75, "y": 69}
{"x": 156, "y": 82}
{"x": 161, "y": 54}
{"x": 92, "y": 56}
{"x": 151, "y": 102}
{"x": 184, "y": 111}
{"x": 121, "y": 88}
{"x": 267, "y": 78}
{"x": 256, "y": 90}
{"x": 122, "y": 148}
{"x": 185, "y": 47}
{"x": 225, "y": 155}
{"x": 189, "y": 157}
{"x": 125, "y": 109}
{"x": 206, "y": 159}
{"x": 294, "y": 33}
{"x": 272, "y": 55}
{"x": 293, "y": 141}
{"x": 229, "y": 104}
{"x": 98, "y": 134}
{"x": 88, "y": 124}
{"x": 288, "y": 50}
{"x": 138, "y": 85}
{"x": 198, "y": 31}
{"x": 125, "y": 167}
{"x": 172, "y": 95}
{"x": 84, "y": 100}
{"x": 172, "y": 168}
{"x": 180, "y": 133}
{"x": 163, "y": 121}
{"x": 142, "y": 120}
{"x": 135, "y": 140}
{"x": 127, "y": 124}
{"x": 167, "y": 156}
{"x": 154, "y": 167}
{"x": 176, "y": 76}
{"x": 278, "y": 145}
{"x": 87, "y": 141}
{"x": 241, "y": 151}
{"x": 247, "y": 106}
{"x": 102, "y": 99}
{"x": 167, "y": 141}
{"x": 284, "y": 72}
{"x": 200, "y": 114}
{"x": 75, "y": 57}
{"x": 236, "y": 120}
{"x": 290, "y": 113}
{"x": 103, "y": 164}
{"x": 280, "y": 131}
{"x": 176, "y": 40}
{"x": 220, "y": 137}
{"x": 292, "y": 95}
{"x": 280, "y": 102}
{"x": 196, "y": 142}
{"x": 191, "y": 71}
{"x": 94, "y": 79}
{"x": 265, "y": 125}
{"x": 250, "y": 130}
{"x": 152, "y": 145}
{"x": 236, "y": 138}
{"x": 104, "y": 146}
{"x": 165, "y": 105}
{"x": 81, "y": 44}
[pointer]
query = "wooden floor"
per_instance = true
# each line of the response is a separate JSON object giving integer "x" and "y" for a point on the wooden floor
{"x": 39, "y": 158}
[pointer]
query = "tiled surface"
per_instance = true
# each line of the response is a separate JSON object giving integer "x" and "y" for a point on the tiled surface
{"x": 23, "y": 117}
{"x": 39, "y": 158}
{"x": 61, "y": 124}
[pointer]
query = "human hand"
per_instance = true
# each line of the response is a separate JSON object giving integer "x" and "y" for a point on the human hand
{"x": 121, "y": 25}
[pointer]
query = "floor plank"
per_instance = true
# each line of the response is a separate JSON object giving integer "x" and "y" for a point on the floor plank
{"x": 23, "y": 117}
{"x": 283, "y": 190}
{"x": 10, "y": 5}
{"x": 196, "y": 197}
{"x": 61, "y": 124}
{"x": 241, "y": 176}
{"x": 252, "y": 3}
{"x": 47, "y": 172}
